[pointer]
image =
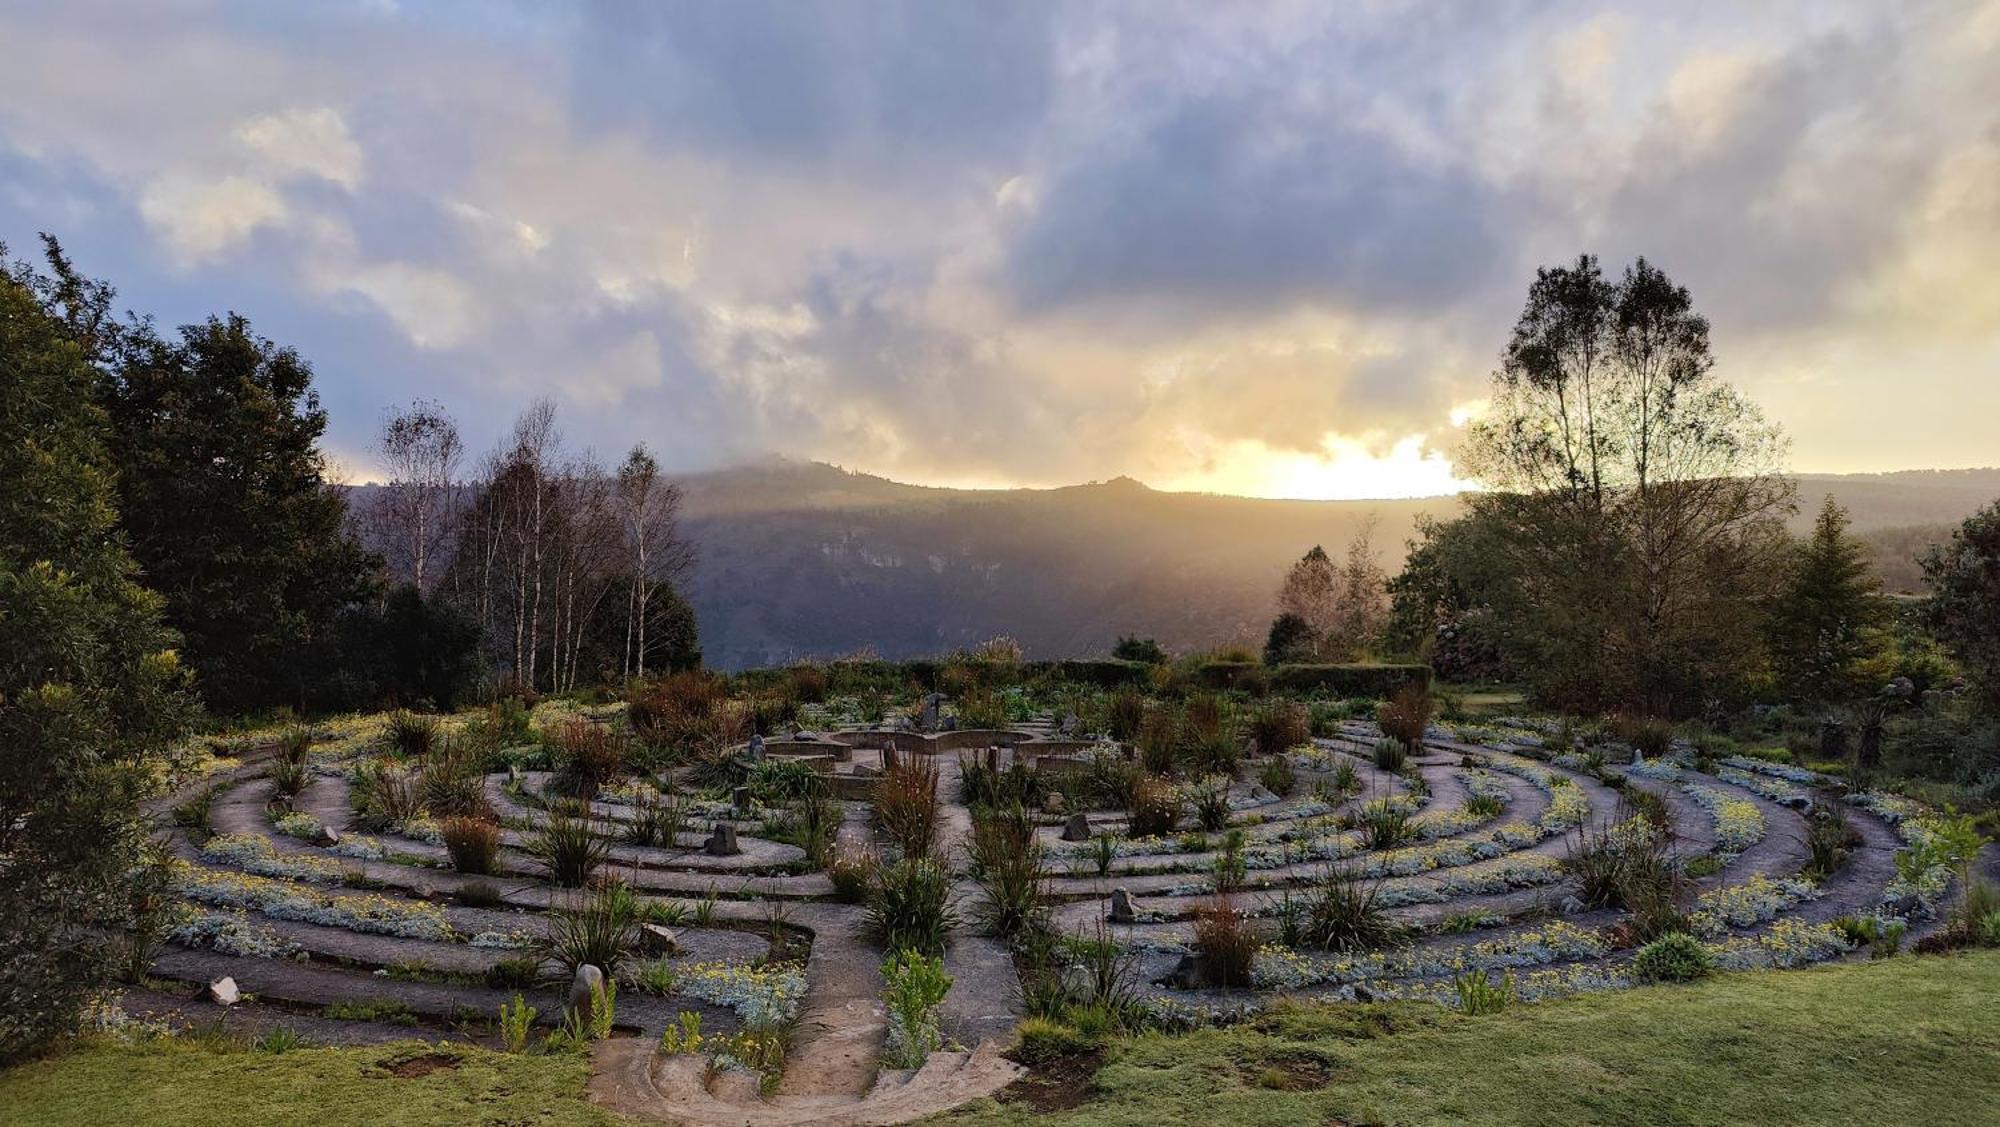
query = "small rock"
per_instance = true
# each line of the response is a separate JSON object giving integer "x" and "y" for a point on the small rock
{"x": 740, "y": 798}
{"x": 722, "y": 843}
{"x": 327, "y": 837}
{"x": 1123, "y": 911}
{"x": 1077, "y": 828}
{"x": 656, "y": 939}
{"x": 223, "y": 991}
{"x": 1363, "y": 994}
{"x": 583, "y": 992}
{"x": 756, "y": 748}
{"x": 1053, "y": 802}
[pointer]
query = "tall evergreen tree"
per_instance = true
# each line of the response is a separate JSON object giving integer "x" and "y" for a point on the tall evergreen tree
{"x": 1822, "y": 623}
{"x": 223, "y": 495}
{"x": 91, "y": 689}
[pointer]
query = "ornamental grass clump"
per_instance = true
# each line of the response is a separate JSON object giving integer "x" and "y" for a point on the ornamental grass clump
{"x": 587, "y": 756}
{"x": 599, "y": 928}
{"x": 1160, "y": 738}
{"x": 1391, "y": 755}
{"x": 411, "y": 735}
{"x": 1226, "y": 942}
{"x": 1345, "y": 913}
{"x": 570, "y": 847}
{"x": 1005, "y": 859}
{"x": 472, "y": 843}
{"x": 909, "y": 907}
{"x": 1209, "y": 799}
{"x": 1278, "y": 727}
{"x": 1479, "y": 995}
{"x": 1155, "y": 808}
{"x": 452, "y": 782}
{"x": 657, "y": 821}
{"x": 1124, "y": 712}
{"x": 906, "y": 807}
{"x": 678, "y": 712}
{"x": 1405, "y": 716}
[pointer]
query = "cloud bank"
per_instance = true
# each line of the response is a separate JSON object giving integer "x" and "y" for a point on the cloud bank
{"x": 1270, "y": 249}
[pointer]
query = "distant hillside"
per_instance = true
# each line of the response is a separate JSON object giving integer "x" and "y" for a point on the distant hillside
{"x": 801, "y": 559}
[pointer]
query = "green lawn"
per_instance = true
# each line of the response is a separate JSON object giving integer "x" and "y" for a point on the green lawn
{"x": 169, "y": 1084}
{"x": 1906, "y": 1040}
{"x": 1909, "y": 1040}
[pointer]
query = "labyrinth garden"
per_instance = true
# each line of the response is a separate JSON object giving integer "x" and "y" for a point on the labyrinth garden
{"x": 872, "y": 892}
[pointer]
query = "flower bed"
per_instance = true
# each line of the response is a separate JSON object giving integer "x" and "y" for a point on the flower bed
{"x": 1665, "y": 770}
{"x": 253, "y": 854}
{"x": 1282, "y": 968}
{"x": 1777, "y": 790}
{"x": 1758, "y": 899}
{"x": 762, "y": 996}
{"x": 1738, "y": 823}
{"x": 232, "y": 933}
{"x": 376, "y": 915}
{"x": 1789, "y": 943}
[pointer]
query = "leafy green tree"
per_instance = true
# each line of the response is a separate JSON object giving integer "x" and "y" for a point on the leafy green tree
{"x": 1964, "y": 608}
{"x": 1823, "y": 625}
{"x": 91, "y": 689}
{"x": 225, "y": 502}
{"x": 1638, "y": 501}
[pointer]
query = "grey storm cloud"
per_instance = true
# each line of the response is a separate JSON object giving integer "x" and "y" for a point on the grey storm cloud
{"x": 1230, "y": 204}
{"x": 1025, "y": 242}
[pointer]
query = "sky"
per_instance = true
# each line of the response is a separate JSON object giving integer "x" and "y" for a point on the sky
{"x": 1269, "y": 249}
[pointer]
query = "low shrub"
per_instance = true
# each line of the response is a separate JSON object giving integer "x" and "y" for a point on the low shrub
{"x": 472, "y": 843}
{"x": 1349, "y": 680}
{"x": 1277, "y": 775}
{"x": 1040, "y": 1040}
{"x": 914, "y": 987}
{"x": 1673, "y": 957}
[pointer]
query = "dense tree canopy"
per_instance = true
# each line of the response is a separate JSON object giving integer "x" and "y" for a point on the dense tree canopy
{"x": 1964, "y": 610}
{"x": 91, "y": 688}
{"x": 223, "y": 495}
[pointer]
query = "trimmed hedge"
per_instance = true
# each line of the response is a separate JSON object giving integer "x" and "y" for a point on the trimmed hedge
{"x": 1332, "y": 680}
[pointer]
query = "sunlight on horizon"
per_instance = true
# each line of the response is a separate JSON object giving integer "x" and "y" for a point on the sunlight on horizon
{"x": 1343, "y": 469}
